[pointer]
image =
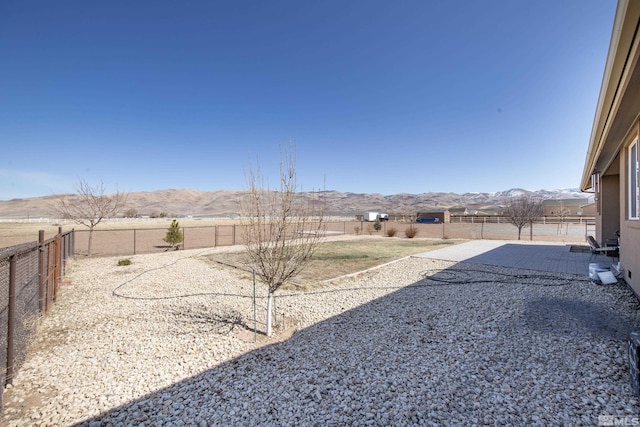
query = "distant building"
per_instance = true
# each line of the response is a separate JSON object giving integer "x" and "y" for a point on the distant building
{"x": 564, "y": 207}
{"x": 485, "y": 211}
{"x": 442, "y": 216}
{"x": 589, "y": 209}
{"x": 458, "y": 210}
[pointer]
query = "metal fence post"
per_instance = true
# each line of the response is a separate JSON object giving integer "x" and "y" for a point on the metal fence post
{"x": 57, "y": 272}
{"x": 11, "y": 320}
{"x": 48, "y": 275}
{"x": 65, "y": 250}
{"x": 60, "y": 252}
{"x": 41, "y": 272}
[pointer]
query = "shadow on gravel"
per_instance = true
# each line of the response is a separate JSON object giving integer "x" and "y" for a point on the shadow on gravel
{"x": 571, "y": 316}
{"x": 503, "y": 352}
{"x": 206, "y": 320}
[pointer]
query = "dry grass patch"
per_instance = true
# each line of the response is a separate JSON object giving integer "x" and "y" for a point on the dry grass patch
{"x": 335, "y": 259}
{"x": 17, "y": 233}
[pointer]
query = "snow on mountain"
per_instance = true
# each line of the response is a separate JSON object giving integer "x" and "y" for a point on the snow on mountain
{"x": 181, "y": 202}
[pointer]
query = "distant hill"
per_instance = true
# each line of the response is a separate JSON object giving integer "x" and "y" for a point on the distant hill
{"x": 184, "y": 202}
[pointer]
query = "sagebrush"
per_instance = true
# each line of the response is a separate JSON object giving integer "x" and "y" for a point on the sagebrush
{"x": 411, "y": 232}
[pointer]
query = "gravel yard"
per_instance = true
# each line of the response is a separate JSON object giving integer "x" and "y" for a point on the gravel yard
{"x": 169, "y": 340}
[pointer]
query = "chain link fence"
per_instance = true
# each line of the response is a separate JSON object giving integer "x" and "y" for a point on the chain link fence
{"x": 30, "y": 275}
{"x": 123, "y": 242}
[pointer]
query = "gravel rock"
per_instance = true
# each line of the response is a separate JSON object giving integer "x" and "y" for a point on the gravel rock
{"x": 169, "y": 340}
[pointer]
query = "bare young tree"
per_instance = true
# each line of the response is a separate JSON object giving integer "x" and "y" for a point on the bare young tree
{"x": 563, "y": 213}
{"x": 281, "y": 228}
{"x": 523, "y": 211}
{"x": 89, "y": 206}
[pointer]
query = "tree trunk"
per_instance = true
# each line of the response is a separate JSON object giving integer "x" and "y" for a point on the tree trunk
{"x": 89, "y": 245}
{"x": 530, "y": 231}
{"x": 269, "y": 310}
{"x": 519, "y": 232}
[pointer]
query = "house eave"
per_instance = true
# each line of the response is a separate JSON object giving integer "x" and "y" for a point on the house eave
{"x": 615, "y": 112}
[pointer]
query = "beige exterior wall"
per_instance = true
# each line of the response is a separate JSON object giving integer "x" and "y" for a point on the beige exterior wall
{"x": 615, "y": 127}
{"x": 629, "y": 228}
{"x": 608, "y": 222}
{"x": 629, "y": 259}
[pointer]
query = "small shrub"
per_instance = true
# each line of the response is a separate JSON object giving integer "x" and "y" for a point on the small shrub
{"x": 377, "y": 225}
{"x": 357, "y": 230}
{"x": 174, "y": 234}
{"x": 411, "y": 232}
{"x": 370, "y": 229}
{"x": 130, "y": 213}
{"x": 391, "y": 231}
{"x": 125, "y": 261}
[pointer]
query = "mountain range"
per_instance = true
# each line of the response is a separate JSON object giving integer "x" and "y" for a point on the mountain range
{"x": 225, "y": 203}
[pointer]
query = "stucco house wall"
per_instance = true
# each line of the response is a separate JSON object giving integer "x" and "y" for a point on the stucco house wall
{"x": 609, "y": 171}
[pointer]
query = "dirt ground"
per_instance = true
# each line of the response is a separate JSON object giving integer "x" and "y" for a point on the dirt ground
{"x": 15, "y": 233}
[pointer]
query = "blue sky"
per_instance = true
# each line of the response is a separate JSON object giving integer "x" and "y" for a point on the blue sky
{"x": 377, "y": 96}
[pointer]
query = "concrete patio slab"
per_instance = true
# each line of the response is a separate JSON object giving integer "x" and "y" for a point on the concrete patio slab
{"x": 540, "y": 256}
